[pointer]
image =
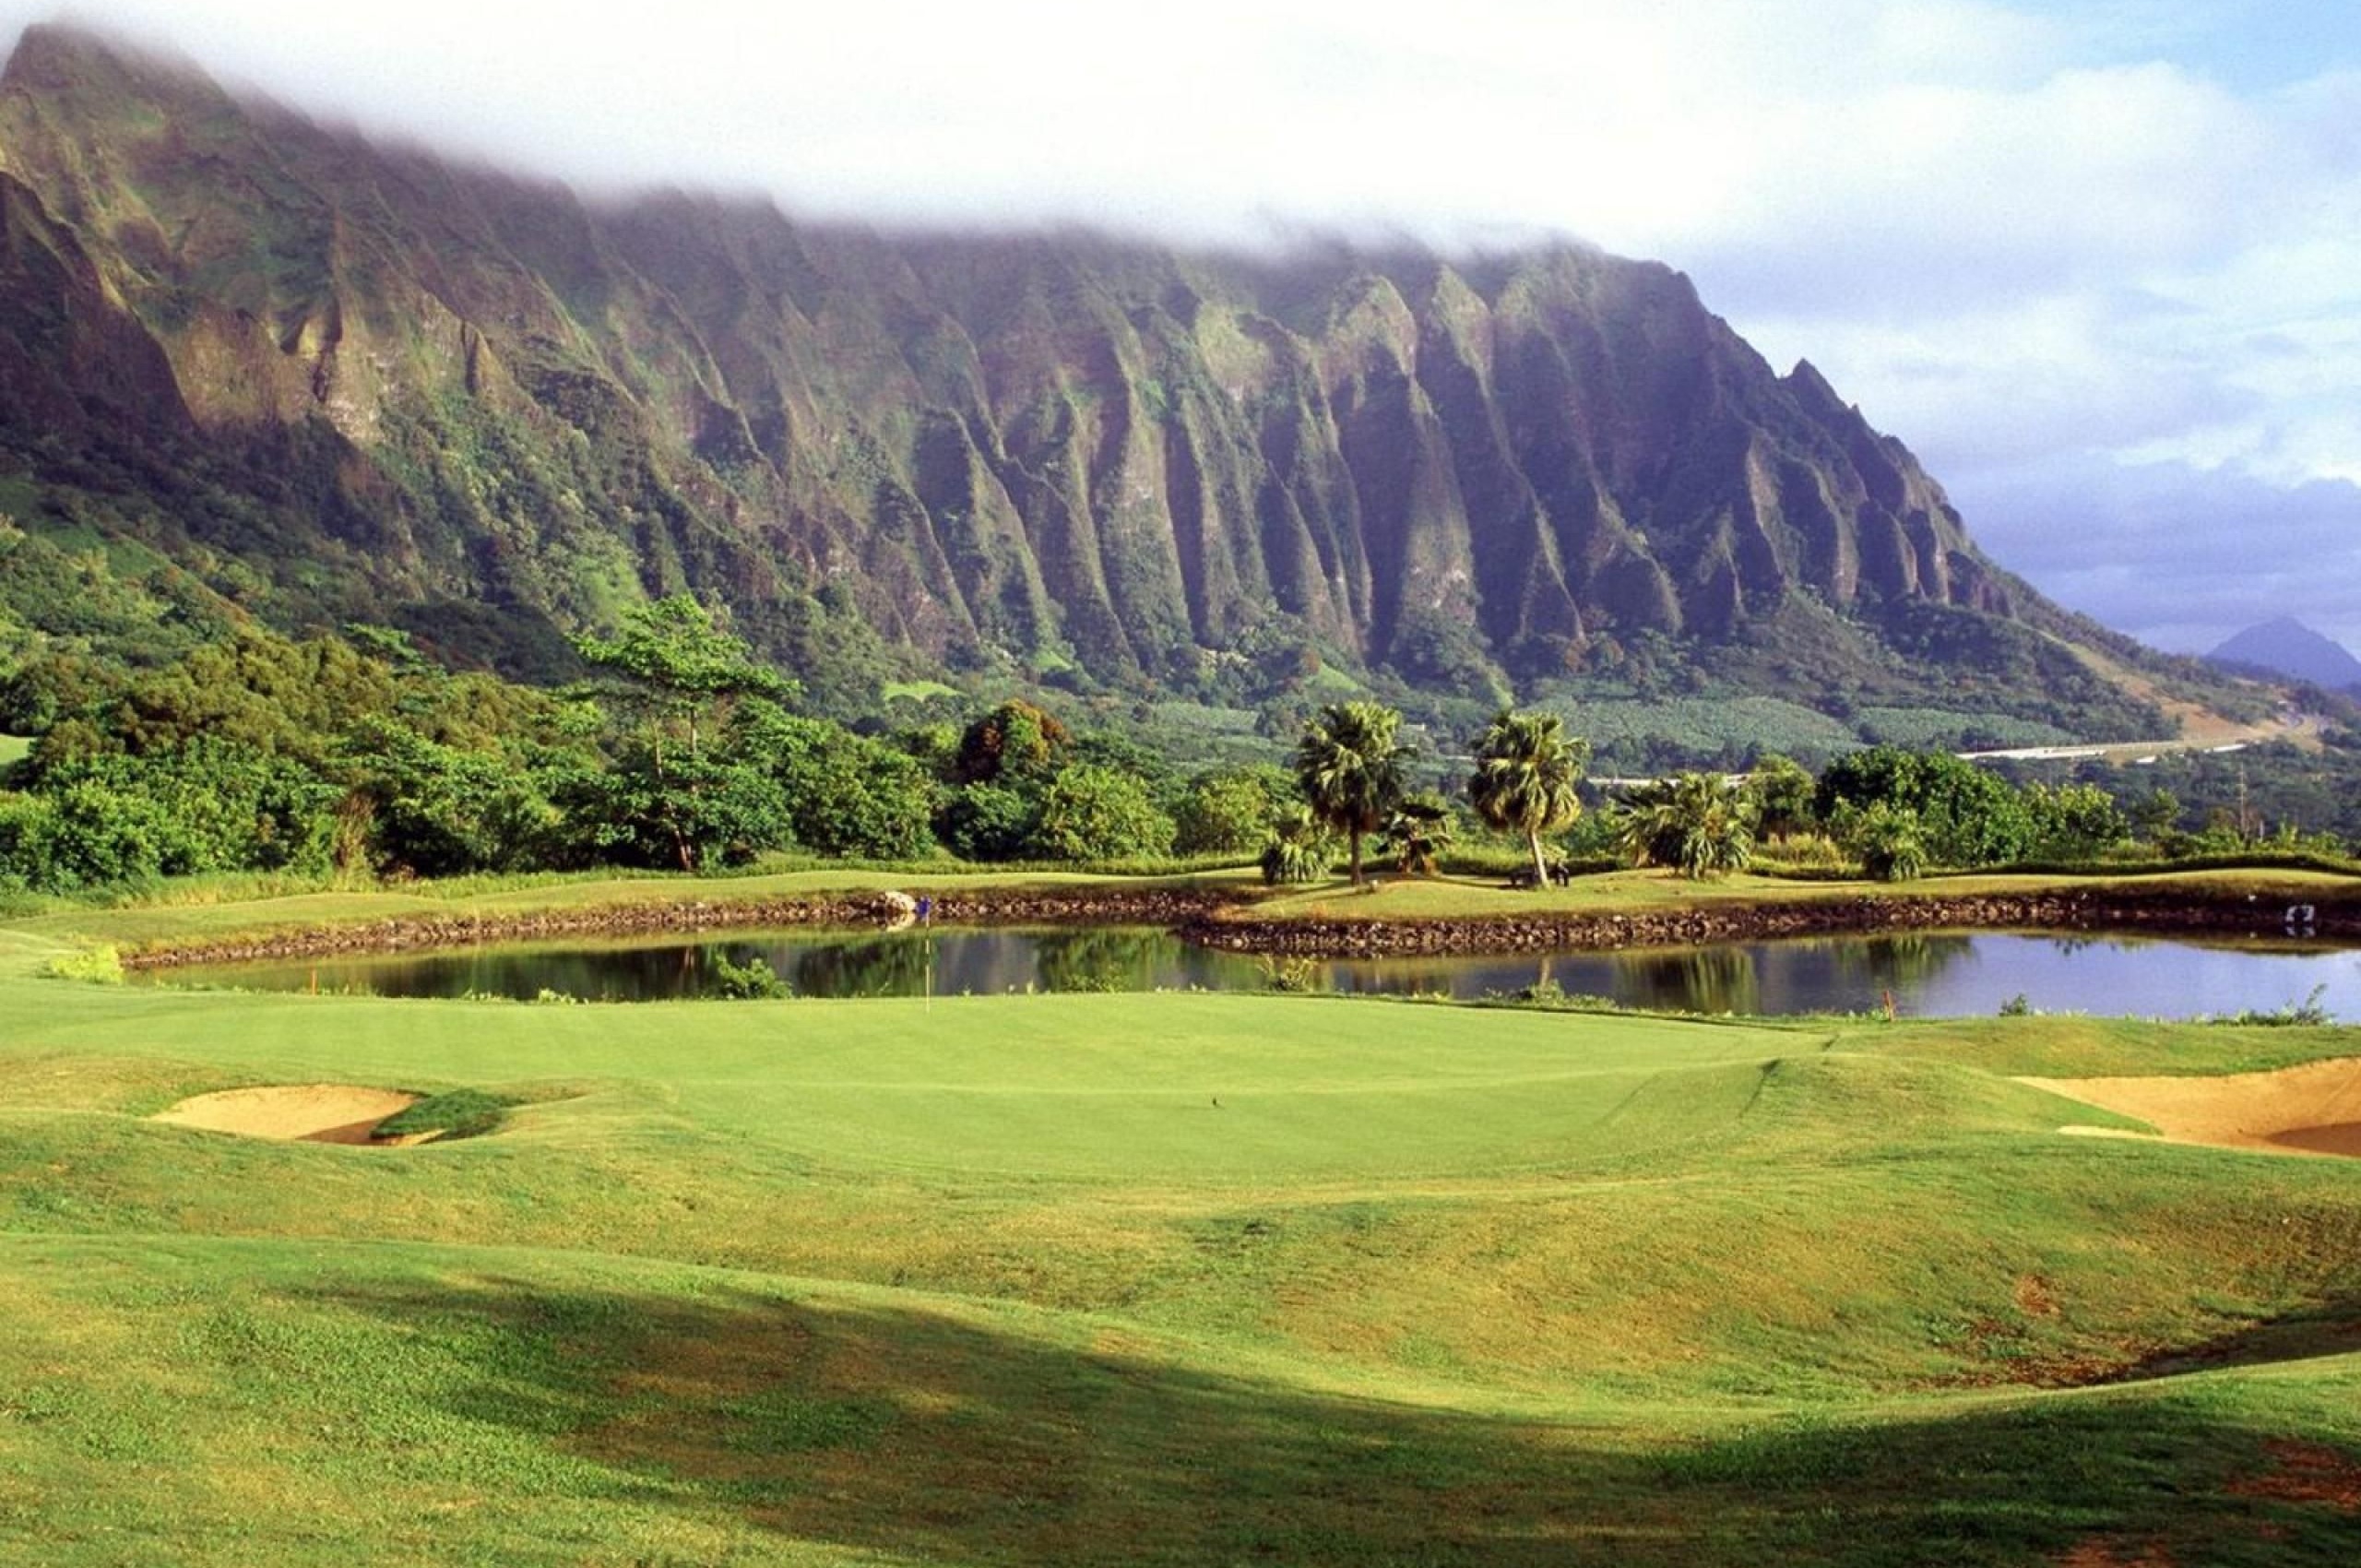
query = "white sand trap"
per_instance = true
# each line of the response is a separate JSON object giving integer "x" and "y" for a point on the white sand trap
{"x": 319, "y": 1113}
{"x": 2315, "y": 1108}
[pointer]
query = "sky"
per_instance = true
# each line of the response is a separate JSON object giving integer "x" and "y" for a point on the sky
{"x": 2098, "y": 261}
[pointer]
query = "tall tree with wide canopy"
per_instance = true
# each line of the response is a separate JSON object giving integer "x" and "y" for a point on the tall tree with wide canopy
{"x": 671, "y": 676}
{"x": 1348, "y": 765}
{"x": 1528, "y": 779}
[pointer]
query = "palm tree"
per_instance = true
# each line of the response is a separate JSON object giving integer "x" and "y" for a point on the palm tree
{"x": 1297, "y": 848}
{"x": 1698, "y": 823}
{"x": 1350, "y": 766}
{"x": 1417, "y": 835}
{"x": 1528, "y": 778}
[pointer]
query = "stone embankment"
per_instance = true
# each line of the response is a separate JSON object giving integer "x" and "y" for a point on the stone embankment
{"x": 1741, "y": 919}
{"x": 400, "y": 934}
{"x": 1226, "y": 919}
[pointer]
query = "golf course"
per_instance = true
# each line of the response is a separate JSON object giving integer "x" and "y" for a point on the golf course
{"x": 1160, "y": 1278}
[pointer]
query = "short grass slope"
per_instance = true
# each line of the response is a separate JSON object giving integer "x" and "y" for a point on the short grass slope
{"x": 1165, "y": 1280}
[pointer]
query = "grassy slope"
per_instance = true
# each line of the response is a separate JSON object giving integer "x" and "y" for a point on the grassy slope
{"x": 996, "y": 1281}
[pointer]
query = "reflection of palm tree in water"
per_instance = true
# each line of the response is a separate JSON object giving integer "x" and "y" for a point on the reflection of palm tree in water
{"x": 888, "y": 965}
{"x": 1695, "y": 980}
{"x": 1905, "y": 963}
{"x": 1104, "y": 960}
{"x": 1912, "y": 958}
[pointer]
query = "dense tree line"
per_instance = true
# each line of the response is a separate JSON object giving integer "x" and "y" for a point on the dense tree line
{"x": 261, "y": 754}
{"x": 355, "y": 755}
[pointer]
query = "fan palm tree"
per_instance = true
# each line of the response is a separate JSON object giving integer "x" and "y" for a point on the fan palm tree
{"x": 1348, "y": 765}
{"x": 1297, "y": 848}
{"x": 1417, "y": 835}
{"x": 1528, "y": 779}
{"x": 1698, "y": 823}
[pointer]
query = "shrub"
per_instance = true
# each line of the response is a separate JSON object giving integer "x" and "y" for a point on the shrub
{"x": 1890, "y": 842}
{"x": 754, "y": 980}
{"x": 1297, "y": 848}
{"x": 987, "y": 822}
{"x": 1091, "y": 812}
{"x": 100, "y": 965}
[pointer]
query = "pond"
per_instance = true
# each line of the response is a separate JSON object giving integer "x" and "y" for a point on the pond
{"x": 1931, "y": 975}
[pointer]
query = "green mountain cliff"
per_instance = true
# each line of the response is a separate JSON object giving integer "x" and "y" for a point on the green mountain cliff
{"x": 332, "y": 379}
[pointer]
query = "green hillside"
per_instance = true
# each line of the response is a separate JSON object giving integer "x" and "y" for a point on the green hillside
{"x": 1166, "y": 1278}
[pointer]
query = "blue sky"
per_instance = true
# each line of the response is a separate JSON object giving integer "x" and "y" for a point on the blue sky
{"x": 2098, "y": 261}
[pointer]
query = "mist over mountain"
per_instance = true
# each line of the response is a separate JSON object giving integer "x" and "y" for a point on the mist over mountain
{"x": 331, "y": 380}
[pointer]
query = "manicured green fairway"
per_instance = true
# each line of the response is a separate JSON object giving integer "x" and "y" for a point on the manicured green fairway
{"x": 1165, "y": 1278}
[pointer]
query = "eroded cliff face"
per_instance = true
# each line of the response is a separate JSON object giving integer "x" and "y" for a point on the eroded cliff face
{"x": 443, "y": 384}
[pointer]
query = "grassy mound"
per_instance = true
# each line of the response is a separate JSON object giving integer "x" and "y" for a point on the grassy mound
{"x": 1180, "y": 1278}
{"x": 459, "y": 1114}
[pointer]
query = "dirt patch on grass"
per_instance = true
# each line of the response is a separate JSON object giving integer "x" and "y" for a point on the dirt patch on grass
{"x": 2306, "y": 1472}
{"x": 2314, "y": 1109}
{"x": 2113, "y": 1552}
{"x": 319, "y": 1113}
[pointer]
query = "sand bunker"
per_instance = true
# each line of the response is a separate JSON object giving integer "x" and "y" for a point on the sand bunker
{"x": 319, "y": 1113}
{"x": 2315, "y": 1108}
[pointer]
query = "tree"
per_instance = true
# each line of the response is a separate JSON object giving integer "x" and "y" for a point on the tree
{"x": 1348, "y": 765}
{"x": 1227, "y": 812}
{"x": 1971, "y": 817}
{"x": 1528, "y": 779}
{"x": 1015, "y": 741}
{"x": 1417, "y": 835}
{"x": 1890, "y": 840}
{"x": 1297, "y": 848}
{"x": 846, "y": 794}
{"x": 677, "y": 669}
{"x": 1782, "y": 792}
{"x": 1096, "y": 814}
{"x": 1700, "y": 824}
{"x": 2074, "y": 821}
{"x": 2155, "y": 813}
{"x": 676, "y": 676}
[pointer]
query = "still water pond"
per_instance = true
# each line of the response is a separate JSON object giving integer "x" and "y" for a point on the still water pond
{"x": 1927, "y": 975}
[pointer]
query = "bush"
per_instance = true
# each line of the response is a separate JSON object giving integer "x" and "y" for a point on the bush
{"x": 100, "y": 966}
{"x": 1096, "y": 814}
{"x": 1228, "y": 812}
{"x": 986, "y": 822}
{"x": 1890, "y": 840}
{"x": 754, "y": 980}
{"x": 1297, "y": 848}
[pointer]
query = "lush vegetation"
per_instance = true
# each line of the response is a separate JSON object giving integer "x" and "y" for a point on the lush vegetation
{"x": 355, "y": 756}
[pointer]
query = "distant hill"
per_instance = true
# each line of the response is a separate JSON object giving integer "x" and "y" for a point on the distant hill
{"x": 2286, "y": 647}
{"x": 326, "y": 379}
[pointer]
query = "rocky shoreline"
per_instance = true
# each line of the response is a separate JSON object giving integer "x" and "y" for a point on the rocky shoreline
{"x": 2162, "y": 913}
{"x": 1174, "y": 907}
{"x": 1224, "y": 919}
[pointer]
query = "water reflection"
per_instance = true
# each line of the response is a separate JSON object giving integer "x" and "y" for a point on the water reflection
{"x": 1928, "y": 974}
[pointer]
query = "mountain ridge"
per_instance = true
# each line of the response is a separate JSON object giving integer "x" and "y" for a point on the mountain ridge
{"x": 2284, "y": 646}
{"x": 485, "y": 405}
